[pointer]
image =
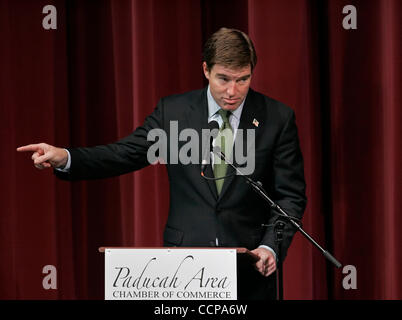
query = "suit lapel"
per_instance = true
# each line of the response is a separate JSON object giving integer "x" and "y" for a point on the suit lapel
{"x": 197, "y": 118}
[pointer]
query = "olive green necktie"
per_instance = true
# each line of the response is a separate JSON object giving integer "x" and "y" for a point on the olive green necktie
{"x": 225, "y": 141}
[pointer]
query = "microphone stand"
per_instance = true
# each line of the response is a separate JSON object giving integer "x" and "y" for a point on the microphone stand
{"x": 278, "y": 228}
{"x": 279, "y": 225}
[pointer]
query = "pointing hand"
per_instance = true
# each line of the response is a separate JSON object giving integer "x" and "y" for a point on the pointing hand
{"x": 46, "y": 156}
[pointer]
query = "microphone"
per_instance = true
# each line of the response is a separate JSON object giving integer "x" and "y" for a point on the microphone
{"x": 207, "y": 150}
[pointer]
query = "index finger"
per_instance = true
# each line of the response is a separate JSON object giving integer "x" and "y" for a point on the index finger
{"x": 29, "y": 147}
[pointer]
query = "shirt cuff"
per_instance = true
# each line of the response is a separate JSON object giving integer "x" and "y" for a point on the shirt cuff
{"x": 270, "y": 249}
{"x": 68, "y": 164}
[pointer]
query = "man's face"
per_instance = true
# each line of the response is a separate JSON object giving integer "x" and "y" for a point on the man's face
{"x": 228, "y": 86}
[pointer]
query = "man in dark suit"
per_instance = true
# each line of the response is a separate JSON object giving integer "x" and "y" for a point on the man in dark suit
{"x": 226, "y": 212}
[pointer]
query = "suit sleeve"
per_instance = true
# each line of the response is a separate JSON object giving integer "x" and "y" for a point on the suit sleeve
{"x": 288, "y": 184}
{"x": 126, "y": 155}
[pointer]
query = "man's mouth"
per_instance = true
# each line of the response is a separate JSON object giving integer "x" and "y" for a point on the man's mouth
{"x": 230, "y": 101}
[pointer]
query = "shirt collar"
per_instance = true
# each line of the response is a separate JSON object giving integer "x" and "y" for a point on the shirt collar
{"x": 213, "y": 107}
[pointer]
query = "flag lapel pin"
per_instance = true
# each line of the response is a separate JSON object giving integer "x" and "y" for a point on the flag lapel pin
{"x": 255, "y": 122}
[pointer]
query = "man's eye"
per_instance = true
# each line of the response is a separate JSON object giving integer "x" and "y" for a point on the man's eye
{"x": 224, "y": 79}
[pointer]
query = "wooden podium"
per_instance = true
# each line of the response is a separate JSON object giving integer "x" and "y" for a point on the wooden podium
{"x": 173, "y": 273}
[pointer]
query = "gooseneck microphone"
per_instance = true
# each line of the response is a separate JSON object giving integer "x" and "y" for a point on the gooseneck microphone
{"x": 213, "y": 128}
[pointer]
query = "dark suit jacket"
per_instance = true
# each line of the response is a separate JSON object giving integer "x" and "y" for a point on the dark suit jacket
{"x": 197, "y": 215}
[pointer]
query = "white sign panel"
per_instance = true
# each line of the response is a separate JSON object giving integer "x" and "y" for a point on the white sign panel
{"x": 170, "y": 274}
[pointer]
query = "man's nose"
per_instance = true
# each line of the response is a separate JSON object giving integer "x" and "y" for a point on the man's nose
{"x": 231, "y": 89}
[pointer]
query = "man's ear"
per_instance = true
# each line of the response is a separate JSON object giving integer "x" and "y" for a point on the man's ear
{"x": 205, "y": 69}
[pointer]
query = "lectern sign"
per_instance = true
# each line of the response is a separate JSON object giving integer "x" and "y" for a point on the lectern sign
{"x": 170, "y": 274}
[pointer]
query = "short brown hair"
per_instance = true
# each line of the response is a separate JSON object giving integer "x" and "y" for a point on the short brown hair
{"x": 230, "y": 48}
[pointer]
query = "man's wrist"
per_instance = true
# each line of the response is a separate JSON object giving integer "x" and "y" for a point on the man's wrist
{"x": 270, "y": 249}
{"x": 66, "y": 167}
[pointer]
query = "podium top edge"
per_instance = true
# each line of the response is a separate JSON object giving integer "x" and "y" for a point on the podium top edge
{"x": 238, "y": 250}
{"x": 242, "y": 251}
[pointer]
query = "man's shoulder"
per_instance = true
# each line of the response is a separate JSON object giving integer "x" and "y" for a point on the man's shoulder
{"x": 271, "y": 104}
{"x": 185, "y": 97}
